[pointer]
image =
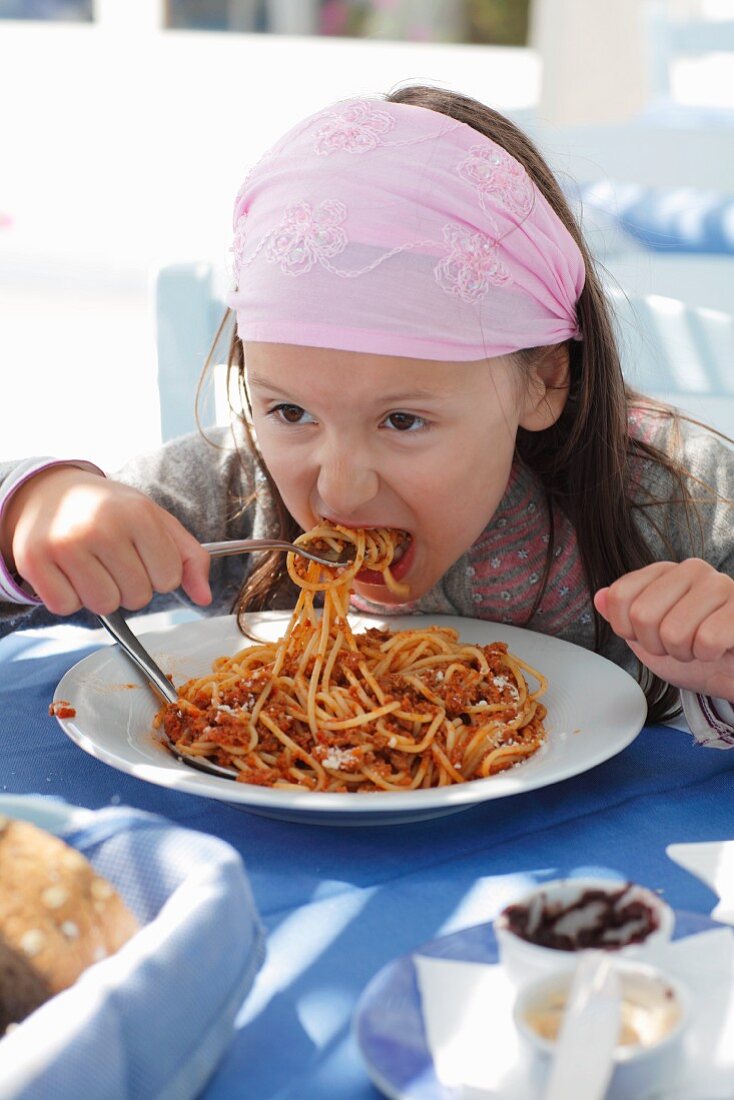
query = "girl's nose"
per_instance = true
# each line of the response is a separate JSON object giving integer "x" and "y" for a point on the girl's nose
{"x": 345, "y": 485}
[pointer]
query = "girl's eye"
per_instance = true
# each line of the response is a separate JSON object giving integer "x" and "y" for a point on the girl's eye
{"x": 405, "y": 422}
{"x": 291, "y": 414}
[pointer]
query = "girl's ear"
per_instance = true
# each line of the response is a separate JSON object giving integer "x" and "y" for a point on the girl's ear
{"x": 545, "y": 388}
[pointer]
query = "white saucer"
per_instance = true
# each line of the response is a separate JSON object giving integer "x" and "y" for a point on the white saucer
{"x": 388, "y": 1020}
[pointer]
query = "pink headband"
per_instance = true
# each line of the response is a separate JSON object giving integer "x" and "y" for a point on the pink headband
{"x": 383, "y": 227}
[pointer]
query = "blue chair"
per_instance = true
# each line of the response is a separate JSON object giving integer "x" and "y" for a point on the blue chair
{"x": 189, "y": 306}
{"x": 688, "y": 220}
{"x": 678, "y": 352}
{"x": 677, "y": 242}
{"x": 680, "y": 150}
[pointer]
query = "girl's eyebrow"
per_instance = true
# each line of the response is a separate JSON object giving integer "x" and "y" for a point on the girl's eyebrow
{"x": 385, "y": 398}
{"x": 412, "y": 395}
{"x": 253, "y": 380}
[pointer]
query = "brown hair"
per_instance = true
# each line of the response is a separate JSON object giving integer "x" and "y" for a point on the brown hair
{"x": 585, "y": 456}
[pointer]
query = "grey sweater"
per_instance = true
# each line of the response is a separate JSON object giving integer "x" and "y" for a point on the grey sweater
{"x": 206, "y": 484}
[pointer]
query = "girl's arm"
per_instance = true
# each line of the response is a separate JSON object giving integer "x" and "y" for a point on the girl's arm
{"x": 677, "y": 616}
{"x": 78, "y": 539}
{"x": 13, "y": 476}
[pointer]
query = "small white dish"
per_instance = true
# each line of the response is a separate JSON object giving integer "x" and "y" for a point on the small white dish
{"x": 653, "y": 1017}
{"x": 570, "y": 906}
{"x": 390, "y": 1027}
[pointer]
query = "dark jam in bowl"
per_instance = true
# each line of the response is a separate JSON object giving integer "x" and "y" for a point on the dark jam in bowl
{"x": 596, "y": 918}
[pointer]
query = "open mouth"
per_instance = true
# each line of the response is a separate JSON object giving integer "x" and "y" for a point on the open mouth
{"x": 401, "y": 563}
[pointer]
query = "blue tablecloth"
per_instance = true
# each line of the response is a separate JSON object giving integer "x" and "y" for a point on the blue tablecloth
{"x": 339, "y": 903}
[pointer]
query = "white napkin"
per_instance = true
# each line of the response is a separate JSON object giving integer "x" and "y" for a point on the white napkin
{"x": 713, "y": 863}
{"x": 467, "y": 1011}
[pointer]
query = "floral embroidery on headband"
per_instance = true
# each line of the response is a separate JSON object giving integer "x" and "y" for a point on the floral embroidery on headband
{"x": 357, "y": 129}
{"x": 238, "y": 246}
{"x": 306, "y": 236}
{"x": 471, "y": 266}
{"x": 496, "y": 174}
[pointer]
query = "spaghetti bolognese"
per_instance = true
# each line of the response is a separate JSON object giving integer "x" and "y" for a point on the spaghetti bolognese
{"x": 325, "y": 709}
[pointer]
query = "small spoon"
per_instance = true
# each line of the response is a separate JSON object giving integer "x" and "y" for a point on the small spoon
{"x": 584, "y": 1057}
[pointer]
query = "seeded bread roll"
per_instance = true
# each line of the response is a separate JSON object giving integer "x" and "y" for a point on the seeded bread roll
{"x": 57, "y": 917}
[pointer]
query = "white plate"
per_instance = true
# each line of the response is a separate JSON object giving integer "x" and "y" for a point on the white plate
{"x": 595, "y": 709}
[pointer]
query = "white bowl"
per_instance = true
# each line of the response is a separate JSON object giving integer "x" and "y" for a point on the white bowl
{"x": 525, "y": 961}
{"x": 655, "y": 1007}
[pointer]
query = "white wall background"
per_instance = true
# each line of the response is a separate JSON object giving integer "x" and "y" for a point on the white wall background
{"x": 123, "y": 150}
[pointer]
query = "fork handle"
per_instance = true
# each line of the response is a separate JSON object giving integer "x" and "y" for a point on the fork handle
{"x": 244, "y": 546}
{"x": 123, "y": 635}
{"x": 121, "y": 632}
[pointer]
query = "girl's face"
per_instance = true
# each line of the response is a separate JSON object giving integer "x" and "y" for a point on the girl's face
{"x": 379, "y": 441}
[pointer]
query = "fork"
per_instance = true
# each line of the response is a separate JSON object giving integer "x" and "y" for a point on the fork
{"x": 116, "y": 625}
{"x": 249, "y": 546}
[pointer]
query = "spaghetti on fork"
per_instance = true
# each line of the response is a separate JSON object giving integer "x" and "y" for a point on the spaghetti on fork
{"x": 325, "y": 709}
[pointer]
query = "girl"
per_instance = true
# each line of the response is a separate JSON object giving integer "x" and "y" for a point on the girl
{"x": 422, "y": 342}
